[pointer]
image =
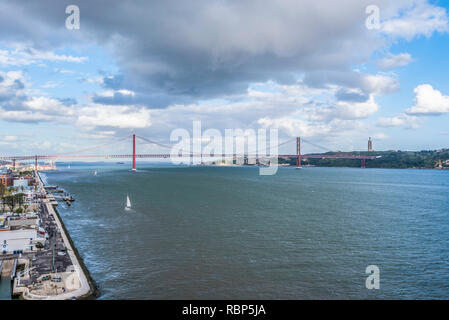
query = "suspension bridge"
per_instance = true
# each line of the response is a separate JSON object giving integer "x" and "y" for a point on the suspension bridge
{"x": 80, "y": 154}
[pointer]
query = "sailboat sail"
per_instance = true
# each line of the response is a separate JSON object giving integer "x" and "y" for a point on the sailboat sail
{"x": 128, "y": 203}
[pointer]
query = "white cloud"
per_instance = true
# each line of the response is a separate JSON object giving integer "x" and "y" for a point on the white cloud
{"x": 9, "y": 138}
{"x": 392, "y": 61}
{"x": 429, "y": 102}
{"x": 23, "y": 55}
{"x": 421, "y": 18}
{"x": 357, "y": 110}
{"x": 220, "y": 48}
{"x": 12, "y": 83}
{"x": 23, "y": 116}
{"x": 106, "y": 93}
{"x": 16, "y": 105}
{"x": 295, "y": 127}
{"x": 49, "y": 106}
{"x": 379, "y": 84}
{"x": 126, "y": 92}
{"x": 402, "y": 120}
{"x": 380, "y": 136}
{"x": 111, "y": 93}
{"x": 114, "y": 116}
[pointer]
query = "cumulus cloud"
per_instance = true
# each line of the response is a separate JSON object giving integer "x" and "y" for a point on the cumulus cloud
{"x": 23, "y": 116}
{"x": 22, "y": 56}
{"x": 429, "y": 102}
{"x": 393, "y": 61}
{"x": 320, "y": 132}
{"x": 354, "y": 95}
{"x": 402, "y": 120}
{"x": 115, "y": 97}
{"x": 380, "y": 136}
{"x": 16, "y": 105}
{"x": 355, "y": 82}
{"x": 49, "y": 106}
{"x": 208, "y": 49}
{"x": 356, "y": 110}
{"x": 12, "y": 87}
{"x": 178, "y": 61}
{"x": 114, "y": 116}
{"x": 296, "y": 127}
{"x": 419, "y": 18}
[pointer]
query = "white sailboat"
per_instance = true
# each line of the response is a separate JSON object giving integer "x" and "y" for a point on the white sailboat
{"x": 95, "y": 172}
{"x": 128, "y": 203}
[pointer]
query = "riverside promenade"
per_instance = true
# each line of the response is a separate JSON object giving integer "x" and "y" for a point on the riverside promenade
{"x": 82, "y": 287}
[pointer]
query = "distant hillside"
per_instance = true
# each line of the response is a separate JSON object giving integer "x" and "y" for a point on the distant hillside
{"x": 388, "y": 159}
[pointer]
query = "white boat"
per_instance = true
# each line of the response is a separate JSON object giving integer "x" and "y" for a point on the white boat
{"x": 95, "y": 173}
{"x": 68, "y": 167}
{"x": 128, "y": 203}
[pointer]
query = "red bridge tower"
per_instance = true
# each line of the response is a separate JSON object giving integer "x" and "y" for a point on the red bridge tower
{"x": 134, "y": 152}
{"x": 298, "y": 152}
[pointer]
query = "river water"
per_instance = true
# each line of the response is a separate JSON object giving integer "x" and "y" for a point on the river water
{"x": 5, "y": 289}
{"x": 228, "y": 233}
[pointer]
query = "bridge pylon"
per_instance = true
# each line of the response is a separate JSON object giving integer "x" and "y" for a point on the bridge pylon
{"x": 134, "y": 152}
{"x": 298, "y": 152}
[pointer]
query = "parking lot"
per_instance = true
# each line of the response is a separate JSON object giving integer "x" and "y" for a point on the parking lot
{"x": 53, "y": 258}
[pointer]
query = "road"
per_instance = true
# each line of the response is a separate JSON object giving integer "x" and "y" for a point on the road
{"x": 49, "y": 211}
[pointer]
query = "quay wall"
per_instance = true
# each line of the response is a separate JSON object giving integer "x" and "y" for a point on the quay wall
{"x": 93, "y": 292}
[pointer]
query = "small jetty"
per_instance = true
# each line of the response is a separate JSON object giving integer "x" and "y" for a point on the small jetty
{"x": 59, "y": 194}
{"x": 8, "y": 268}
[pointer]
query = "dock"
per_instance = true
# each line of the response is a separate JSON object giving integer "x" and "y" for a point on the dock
{"x": 8, "y": 268}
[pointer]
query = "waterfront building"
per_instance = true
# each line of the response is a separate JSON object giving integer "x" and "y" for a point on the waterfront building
{"x": 31, "y": 180}
{"x": 20, "y": 234}
{"x": 6, "y": 179}
{"x": 22, "y": 182}
{"x": 47, "y": 167}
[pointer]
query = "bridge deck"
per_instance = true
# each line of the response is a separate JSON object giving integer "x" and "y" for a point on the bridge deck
{"x": 168, "y": 155}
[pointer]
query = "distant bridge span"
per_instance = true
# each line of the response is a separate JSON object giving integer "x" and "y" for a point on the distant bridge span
{"x": 134, "y": 155}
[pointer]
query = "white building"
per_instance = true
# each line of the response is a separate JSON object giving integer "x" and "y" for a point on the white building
{"x": 20, "y": 233}
{"x": 20, "y": 183}
{"x": 14, "y": 240}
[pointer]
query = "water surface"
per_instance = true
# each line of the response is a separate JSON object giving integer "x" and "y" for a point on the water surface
{"x": 5, "y": 289}
{"x": 228, "y": 233}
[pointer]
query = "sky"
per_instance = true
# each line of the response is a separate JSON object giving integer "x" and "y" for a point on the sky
{"x": 313, "y": 69}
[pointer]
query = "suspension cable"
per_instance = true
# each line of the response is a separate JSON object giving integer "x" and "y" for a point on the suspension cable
{"x": 94, "y": 147}
{"x": 316, "y": 145}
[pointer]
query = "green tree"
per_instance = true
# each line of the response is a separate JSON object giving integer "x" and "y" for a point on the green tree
{"x": 19, "y": 199}
{"x": 2, "y": 190}
{"x": 10, "y": 202}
